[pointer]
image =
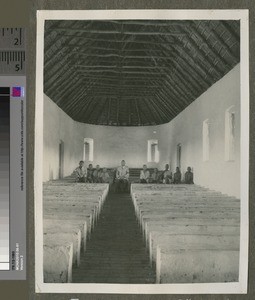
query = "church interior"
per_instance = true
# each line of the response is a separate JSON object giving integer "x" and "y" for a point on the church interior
{"x": 152, "y": 93}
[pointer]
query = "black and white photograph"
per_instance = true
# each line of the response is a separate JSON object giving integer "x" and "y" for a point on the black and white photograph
{"x": 142, "y": 151}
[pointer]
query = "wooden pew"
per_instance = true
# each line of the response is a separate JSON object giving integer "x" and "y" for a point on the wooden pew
{"x": 57, "y": 263}
{"x": 196, "y": 266}
{"x": 53, "y": 237}
{"x": 184, "y": 222}
{"x": 60, "y": 226}
{"x": 70, "y": 212}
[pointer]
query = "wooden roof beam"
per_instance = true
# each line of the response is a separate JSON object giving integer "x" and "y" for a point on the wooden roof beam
{"x": 68, "y": 105}
{"x": 187, "y": 74}
{"x": 122, "y": 67}
{"x": 109, "y": 111}
{"x": 188, "y": 61}
{"x": 223, "y": 44}
{"x": 230, "y": 30}
{"x": 185, "y": 56}
{"x": 114, "y": 97}
{"x": 99, "y": 40}
{"x": 84, "y": 90}
{"x": 70, "y": 92}
{"x": 106, "y": 49}
{"x": 100, "y": 84}
{"x": 199, "y": 52}
{"x": 131, "y": 80}
{"x": 138, "y": 112}
{"x": 210, "y": 49}
{"x": 158, "y": 110}
{"x": 168, "y": 109}
{"x": 169, "y": 92}
{"x": 114, "y": 77}
{"x": 117, "y": 72}
{"x": 50, "y": 78}
{"x": 99, "y": 111}
{"x": 118, "y": 111}
{"x": 157, "y": 23}
{"x": 142, "y": 113}
{"x": 117, "y": 95}
{"x": 182, "y": 84}
{"x": 57, "y": 79}
{"x": 70, "y": 86}
{"x": 149, "y": 56}
{"x": 127, "y": 91}
{"x": 176, "y": 105}
{"x": 117, "y": 32}
{"x": 48, "y": 48}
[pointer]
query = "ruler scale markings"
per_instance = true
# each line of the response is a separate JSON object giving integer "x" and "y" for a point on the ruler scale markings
{"x": 21, "y": 61}
{"x": 18, "y": 56}
{"x": 13, "y": 239}
{"x": 14, "y": 60}
{"x": 12, "y": 38}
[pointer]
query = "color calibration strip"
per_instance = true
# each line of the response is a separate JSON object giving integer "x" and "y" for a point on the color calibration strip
{"x": 12, "y": 154}
{"x": 4, "y": 178}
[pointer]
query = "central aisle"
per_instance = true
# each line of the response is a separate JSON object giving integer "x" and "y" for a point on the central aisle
{"x": 116, "y": 252}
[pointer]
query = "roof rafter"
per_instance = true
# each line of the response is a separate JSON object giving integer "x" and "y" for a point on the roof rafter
{"x": 135, "y": 72}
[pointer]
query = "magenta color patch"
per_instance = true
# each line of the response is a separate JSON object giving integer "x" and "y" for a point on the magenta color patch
{"x": 17, "y": 91}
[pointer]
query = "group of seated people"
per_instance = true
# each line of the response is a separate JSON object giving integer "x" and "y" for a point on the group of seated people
{"x": 91, "y": 175}
{"x": 121, "y": 178}
{"x": 99, "y": 175}
{"x": 165, "y": 176}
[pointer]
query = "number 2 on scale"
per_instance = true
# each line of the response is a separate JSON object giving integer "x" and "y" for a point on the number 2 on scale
{"x": 16, "y": 42}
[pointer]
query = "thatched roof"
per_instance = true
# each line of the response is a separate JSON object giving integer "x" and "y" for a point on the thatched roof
{"x": 135, "y": 72}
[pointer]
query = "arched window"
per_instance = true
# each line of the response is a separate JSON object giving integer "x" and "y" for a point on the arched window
{"x": 152, "y": 151}
{"x": 88, "y": 149}
{"x": 206, "y": 140}
{"x": 230, "y": 134}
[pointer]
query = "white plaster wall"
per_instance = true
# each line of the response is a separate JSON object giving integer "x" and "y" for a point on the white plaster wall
{"x": 112, "y": 144}
{"x": 59, "y": 126}
{"x": 186, "y": 129}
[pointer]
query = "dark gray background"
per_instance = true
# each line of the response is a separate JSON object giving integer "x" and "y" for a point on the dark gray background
{"x": 22, "y": 13}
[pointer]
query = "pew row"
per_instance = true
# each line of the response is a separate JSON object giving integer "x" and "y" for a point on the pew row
{"x": 70, "y": 213}
{"x": 192, "y": 233}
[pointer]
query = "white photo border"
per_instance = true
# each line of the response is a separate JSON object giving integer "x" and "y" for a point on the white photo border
{"x": 191, "y": 288}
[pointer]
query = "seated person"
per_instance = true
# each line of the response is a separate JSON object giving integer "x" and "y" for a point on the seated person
{"x": 105, "y": 178}
{"x": 96, "y": 174}
{"x": 90, "y": 173}
{"x": 155, "y": 176}
{"x": 167, "y": 175}
{"x": 188, "y": 176}
{"x": 122, "y": 177}
{"x": 80, "y": 172}
{"x": 177, "y": 176}
{"x": 144, "y": 175}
